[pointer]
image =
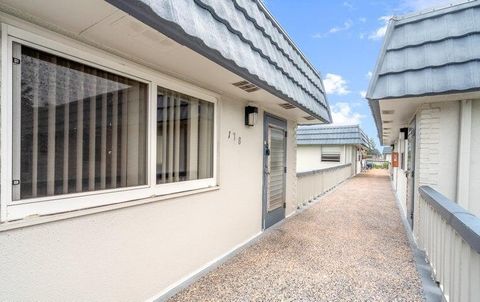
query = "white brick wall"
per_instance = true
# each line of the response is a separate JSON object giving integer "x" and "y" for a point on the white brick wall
{"x": 428, "y": 142}
{"x": 437, "y": 149}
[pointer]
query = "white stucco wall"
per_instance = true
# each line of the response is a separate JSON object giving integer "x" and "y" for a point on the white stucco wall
{"x": 400, "y": 179}
{"x": 309, "y": 157}
{"x": 134, "y": 253}
{"x": 291, "y": 190}
{"x": 474, "y": 202}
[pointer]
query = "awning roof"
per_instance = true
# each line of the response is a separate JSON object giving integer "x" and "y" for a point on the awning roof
{"x": 242, "y": 37}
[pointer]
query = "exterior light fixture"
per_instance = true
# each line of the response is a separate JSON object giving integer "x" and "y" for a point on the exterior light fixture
{"x": 251, "y": 116}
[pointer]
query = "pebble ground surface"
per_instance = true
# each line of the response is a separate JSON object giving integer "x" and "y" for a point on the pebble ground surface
{"x": 349, "y": 246}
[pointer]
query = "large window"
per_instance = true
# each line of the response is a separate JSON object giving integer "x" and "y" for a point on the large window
{"x": 76, "y": 128}
{"x": 80, "y": 130}
{"x": 184, "y": 137}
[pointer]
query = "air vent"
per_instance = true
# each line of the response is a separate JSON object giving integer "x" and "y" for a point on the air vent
{"x": 287, "y": 106}
{"x": 246, "y": 86}
{"x": 387, "y": 122}
{"x": 309, "y": 118}
{"x": 388, "y": 111}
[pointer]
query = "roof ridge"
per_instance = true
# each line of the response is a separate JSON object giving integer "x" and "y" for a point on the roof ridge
{"x": 434, "y": 12}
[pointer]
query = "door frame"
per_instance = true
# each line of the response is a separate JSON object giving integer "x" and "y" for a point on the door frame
{"x": 270, "y": 119}
{"x": 411, "y": 153}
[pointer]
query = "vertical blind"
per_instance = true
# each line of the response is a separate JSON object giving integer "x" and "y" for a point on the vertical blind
{"x": 76, "y": 128}
{"x": 185, "y": 128}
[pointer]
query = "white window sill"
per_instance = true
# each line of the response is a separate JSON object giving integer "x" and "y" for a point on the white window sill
{"x": 35, "y": 220}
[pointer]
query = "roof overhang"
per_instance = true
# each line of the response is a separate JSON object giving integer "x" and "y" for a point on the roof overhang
{"x": 304, "y": 93}
{"x": 112, "y": 32}
{"x": 425, "y": 58}
{"x": 392, "y": 114}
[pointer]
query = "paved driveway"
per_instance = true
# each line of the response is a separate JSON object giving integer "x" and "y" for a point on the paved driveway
{"x": 350, "y": 246}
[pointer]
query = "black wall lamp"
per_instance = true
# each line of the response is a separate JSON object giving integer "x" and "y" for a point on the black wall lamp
{"x": 405, "y": 132}
{"x": 251, "y": 116}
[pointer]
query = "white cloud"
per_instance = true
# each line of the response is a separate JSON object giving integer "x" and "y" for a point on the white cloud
{"x": 348, "y": 5}
{"x": 363, "y": 94}
{"x": 346, "y": 26}
{"x": 342, "y": 114}
{"x": 380, "y": 32}
{"x": 369, "y": 75}
{"x": 335, "y": 84}
{"x": 418, "y": 5}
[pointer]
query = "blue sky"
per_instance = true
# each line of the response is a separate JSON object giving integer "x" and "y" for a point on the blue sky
{"x": 342, "y": 39}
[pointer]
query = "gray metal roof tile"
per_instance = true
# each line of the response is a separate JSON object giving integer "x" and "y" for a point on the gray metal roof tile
{"x": 331, "y": 135}
{"x": 243, "y": 37}
{"x": 436, "y": 52}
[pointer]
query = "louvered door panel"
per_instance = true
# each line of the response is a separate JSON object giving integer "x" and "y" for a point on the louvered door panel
{"x": 276, "y": 166}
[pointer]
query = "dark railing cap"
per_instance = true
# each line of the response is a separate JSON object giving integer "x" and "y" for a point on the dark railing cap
{"x": 461, "y": 220}
{"x": 303, "y": 174}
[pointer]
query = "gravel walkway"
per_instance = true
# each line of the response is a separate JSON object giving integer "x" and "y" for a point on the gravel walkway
{"x": 351, "y": 246}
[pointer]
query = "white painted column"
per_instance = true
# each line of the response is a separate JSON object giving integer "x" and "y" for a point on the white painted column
{"x": 465, "y": 135}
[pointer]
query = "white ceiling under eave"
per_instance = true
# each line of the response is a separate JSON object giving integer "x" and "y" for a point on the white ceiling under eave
{"x": 103, "y": 26}
{"x": 398, "y": 113}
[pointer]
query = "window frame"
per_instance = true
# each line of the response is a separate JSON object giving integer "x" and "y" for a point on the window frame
{"x": 73, "y": 50}
{"x": 331, "y": 161}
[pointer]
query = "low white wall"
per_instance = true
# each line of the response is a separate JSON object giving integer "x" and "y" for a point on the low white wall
{"x": 315, "y": 183}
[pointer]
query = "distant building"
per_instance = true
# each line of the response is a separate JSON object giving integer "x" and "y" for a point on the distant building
{"x": 387, "y": 154}
{"x": 325, "y": 146}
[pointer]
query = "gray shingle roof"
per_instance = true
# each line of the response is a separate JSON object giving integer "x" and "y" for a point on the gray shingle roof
{"x": 243, "y": 37}
{"x": 432, "y": 53}
{"x": 331, "y": 135}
